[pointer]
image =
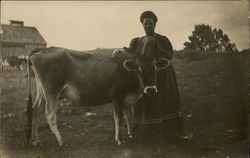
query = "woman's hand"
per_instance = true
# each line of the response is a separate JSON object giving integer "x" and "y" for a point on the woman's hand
{"x": 117, "y": 52}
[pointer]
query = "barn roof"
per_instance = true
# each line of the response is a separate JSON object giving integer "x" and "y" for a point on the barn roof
{"x": 21, "y": 34}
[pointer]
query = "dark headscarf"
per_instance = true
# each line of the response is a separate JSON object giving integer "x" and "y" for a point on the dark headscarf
{"x": 148, "y": 14}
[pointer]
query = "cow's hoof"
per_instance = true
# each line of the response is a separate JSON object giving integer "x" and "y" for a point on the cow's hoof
{"x": 60, "y": 143}
{"x": 187, "y": 137}
{"x": 119, "y": 142}
{"x": 130, "y": 136}
{"x": 172, "y": 147}
{"x": 35, "y": 143}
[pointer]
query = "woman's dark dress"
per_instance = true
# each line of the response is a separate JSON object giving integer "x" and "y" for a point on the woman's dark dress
{"x": 157, "y": 117}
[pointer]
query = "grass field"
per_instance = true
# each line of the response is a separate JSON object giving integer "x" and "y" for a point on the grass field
{"x": 213, "y": 89}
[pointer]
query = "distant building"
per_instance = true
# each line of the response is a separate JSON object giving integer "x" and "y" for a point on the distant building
{"x": 18, "y": 40}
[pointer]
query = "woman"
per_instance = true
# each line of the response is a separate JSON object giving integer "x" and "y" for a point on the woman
{"x": 157, "y": 117}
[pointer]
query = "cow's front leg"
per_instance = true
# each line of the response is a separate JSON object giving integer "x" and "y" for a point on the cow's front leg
{"x": 129, "y": 102}
{"x": 117, "y": 111}
{"x": 128, "y": 118}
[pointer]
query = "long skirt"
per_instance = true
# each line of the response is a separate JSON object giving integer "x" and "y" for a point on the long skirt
{"x": 157, "y": 117}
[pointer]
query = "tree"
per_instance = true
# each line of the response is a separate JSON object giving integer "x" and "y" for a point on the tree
{"x": 207, "y": 39}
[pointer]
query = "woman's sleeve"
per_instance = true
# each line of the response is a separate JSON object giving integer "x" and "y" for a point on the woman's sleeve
{"x": 132, "y": 46}
{"x": 127, "y": 49}
{"x": 164, "y": 47}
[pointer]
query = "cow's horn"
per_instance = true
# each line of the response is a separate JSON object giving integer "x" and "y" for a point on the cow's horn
{"x": 165, "y": 66}
{"x": 125, "y": 64}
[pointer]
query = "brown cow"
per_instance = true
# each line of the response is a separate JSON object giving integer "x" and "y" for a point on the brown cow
{"x": 89, "y": 80}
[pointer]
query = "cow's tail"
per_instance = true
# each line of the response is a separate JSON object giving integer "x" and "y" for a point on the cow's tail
{"x": 29, "y": 104}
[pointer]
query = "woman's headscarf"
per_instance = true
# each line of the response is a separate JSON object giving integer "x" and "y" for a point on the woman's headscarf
{"x": 148, "y": 14}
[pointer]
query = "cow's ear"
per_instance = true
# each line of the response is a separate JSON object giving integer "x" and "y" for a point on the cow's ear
{"x": 131, "y": 65}
{"x": 162, "y": 63}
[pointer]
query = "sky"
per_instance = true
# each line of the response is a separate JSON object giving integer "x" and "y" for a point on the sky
{"x": 86, "y": 25}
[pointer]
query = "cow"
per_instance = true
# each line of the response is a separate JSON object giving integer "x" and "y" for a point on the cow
{"x": 23, "y": 62}
{"x": 87, "y": 79}
{"x": 14, "y": 62}
{"x": 2, "y": 63}
{"x": 5, "y": 65}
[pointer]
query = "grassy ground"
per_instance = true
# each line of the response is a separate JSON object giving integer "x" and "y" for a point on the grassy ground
{"x": 213, "y": 88}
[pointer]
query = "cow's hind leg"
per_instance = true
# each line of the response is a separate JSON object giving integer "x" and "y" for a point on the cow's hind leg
{"x": 50, "y": 114}
{"x": 39, "y": 103}
{"x": 117, "y": 111}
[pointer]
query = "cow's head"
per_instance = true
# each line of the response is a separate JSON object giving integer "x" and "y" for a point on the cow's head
{"x": 147, "y": 70}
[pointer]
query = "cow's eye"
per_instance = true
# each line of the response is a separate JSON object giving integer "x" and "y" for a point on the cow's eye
{"x": 132, "y": 65}
{"x": 162, "y": 63}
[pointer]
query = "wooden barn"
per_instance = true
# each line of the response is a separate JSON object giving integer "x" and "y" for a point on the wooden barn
{"x": 19, "y": 40}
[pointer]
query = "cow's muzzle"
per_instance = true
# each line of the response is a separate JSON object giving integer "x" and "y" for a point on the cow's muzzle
{"x": 150, "y": 90}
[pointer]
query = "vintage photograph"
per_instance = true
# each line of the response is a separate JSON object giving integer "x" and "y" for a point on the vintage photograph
{"x": 124, "y": 79}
